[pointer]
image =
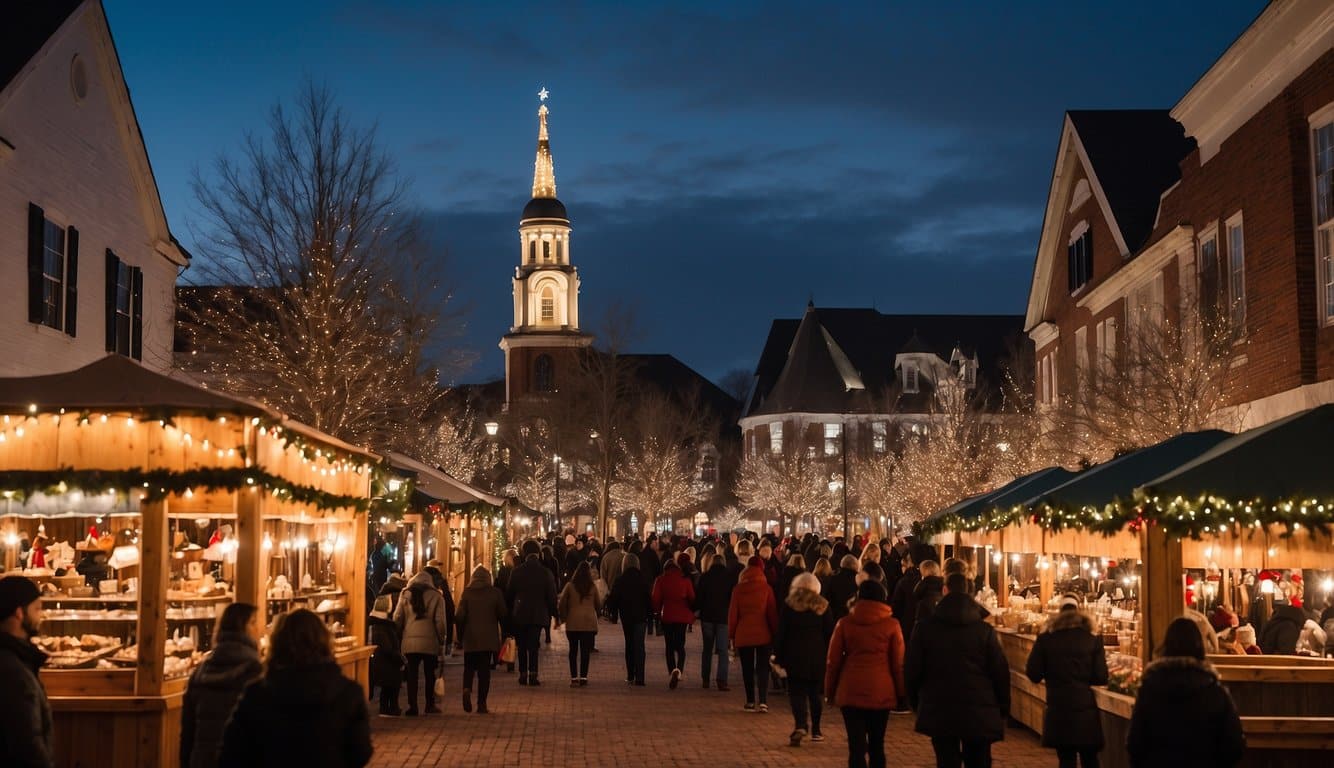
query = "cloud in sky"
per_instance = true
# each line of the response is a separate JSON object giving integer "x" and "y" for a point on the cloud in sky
{"x": 722, "y": 162}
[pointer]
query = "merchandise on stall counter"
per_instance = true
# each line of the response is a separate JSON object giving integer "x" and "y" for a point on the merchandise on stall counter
{"x": 1123, "y": 674}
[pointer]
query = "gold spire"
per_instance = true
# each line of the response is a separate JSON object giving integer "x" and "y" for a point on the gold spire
{"x": 544, "y": 170}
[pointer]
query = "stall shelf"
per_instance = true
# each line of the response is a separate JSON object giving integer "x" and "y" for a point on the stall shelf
{"x": 132, "y": 454}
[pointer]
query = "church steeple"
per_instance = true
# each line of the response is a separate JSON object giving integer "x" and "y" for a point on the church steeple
{"x": 545, "y": 335}
{"x": 544, "y": 169}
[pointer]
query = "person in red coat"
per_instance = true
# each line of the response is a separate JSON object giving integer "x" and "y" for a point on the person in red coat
{"x": 674, "y": 601}
{"x": 864, "y": 673}
{"x": 752, "y": 620}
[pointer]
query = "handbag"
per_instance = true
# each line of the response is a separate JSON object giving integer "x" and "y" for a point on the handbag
{"x": 508, "y": 651}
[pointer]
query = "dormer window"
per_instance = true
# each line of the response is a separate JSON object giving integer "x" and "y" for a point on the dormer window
{"x": 911, "y": 376}
{"x": 1080, "y": 256}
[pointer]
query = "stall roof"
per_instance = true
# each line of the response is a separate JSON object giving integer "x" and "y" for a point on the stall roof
{"x": 976, "y": 505}
{"x": 440, "y": 485}
{"x": 1035, "y": 485}
{"x": 1116, "y": 480}
{"x": 1286, "y": 459}
{"x": 116, "y": 383}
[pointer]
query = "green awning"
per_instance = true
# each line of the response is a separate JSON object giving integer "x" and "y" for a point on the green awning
{"x": 1116, "y": 480}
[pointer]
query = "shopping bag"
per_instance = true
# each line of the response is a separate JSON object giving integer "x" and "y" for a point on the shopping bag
{"x": 508, "y": 651}
{"x": 440, "y": 685}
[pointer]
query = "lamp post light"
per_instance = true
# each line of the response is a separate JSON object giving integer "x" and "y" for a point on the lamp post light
{"x": 492, "y": 428}
{"x": 555, "y": 460}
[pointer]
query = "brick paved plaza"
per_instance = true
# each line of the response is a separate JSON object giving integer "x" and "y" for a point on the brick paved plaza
{"x": 611, "y": 724}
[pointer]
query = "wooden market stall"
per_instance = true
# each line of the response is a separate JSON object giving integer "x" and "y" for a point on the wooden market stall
{"x": 459, "y": 523}
{"x": 148, "y": 504}
{"x": 1184, "y": 554}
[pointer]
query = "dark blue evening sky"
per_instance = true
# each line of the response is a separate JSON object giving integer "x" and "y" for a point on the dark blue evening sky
{"x": 721, "y": 162}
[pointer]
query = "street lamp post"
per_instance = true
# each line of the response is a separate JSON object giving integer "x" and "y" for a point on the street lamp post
{"x": 844, "y": 433}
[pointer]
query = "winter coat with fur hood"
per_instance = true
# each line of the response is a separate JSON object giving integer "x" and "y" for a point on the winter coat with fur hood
{"x": 752, "y": 615}
{"x": 421, "y": 631}
{"x": 802, "y": 641}
{"x": 1070, "y": 658}
{"x": 1183, "y": 716}
{"x": 865, "y": 660}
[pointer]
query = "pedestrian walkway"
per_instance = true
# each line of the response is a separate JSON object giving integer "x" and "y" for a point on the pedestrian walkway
{"x": 609, "y": 723}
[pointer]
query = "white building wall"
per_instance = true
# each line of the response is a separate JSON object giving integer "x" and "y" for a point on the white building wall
{"x": 77, "y": 160}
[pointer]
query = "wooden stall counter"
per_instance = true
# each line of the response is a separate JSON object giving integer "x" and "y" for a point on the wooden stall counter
{"x": 356, "y": 664}
{"x": 128, "y": 731}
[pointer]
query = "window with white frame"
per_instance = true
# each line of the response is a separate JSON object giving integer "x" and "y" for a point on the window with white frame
{"x": 1322, "y": 147}
{"x": 1079, "y": 256}
{"x": 911, "y": 376}
{"x": 53, "y": 275}
{"x": 1211, "y": 284}
{"x": 708, "y": 469}
{"x": 1236, "y": 274}
{"x": 776, "y": 437}
{"x": 548, "y": 308}
{"x": 1047, "y": 375}
{"x": 833, "y": 434}
{"x": 879, "y": 437}
{"x": 1081, "y": 354}
{"x": 1106, "y": 341}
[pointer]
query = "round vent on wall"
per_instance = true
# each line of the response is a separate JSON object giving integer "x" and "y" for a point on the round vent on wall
{"x": 78, "y": 79}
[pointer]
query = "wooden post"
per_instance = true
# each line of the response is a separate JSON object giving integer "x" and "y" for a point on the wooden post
{"x": 1163, "y": 593}
{"x": 153, "y": 571}
{"x": 355, "y": 581}
{"x": 251, "y": 559}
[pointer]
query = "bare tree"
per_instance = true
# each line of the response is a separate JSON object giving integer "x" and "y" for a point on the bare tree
{"x": 1168, "y": 377}
{"x": 659, "y": 478}
{"x": 788, "y": 486}
{"x": 321, "y": 301}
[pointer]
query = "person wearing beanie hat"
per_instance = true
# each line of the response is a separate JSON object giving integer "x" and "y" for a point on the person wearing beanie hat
{"x": 387, "y": 661}
{"x": 25, "y": 713}
{"x": 801, "y": 646}
{"x": 1246, "y": 639}
{"x": 864, "y": 672}
{"x": 1070, "y": 658}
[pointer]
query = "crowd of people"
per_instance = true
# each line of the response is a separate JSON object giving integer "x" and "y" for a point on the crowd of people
{"x": 873, "y": 628}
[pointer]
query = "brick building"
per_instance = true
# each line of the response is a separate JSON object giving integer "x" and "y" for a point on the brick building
{"x": 87, "y": 262}
{"x": 1225, "y": 203}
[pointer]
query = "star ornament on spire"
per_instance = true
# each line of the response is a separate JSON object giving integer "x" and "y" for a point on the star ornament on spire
{"x": 543, "y": 94}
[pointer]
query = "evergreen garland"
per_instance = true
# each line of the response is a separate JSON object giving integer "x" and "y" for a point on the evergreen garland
{"x": 157, "y": 484}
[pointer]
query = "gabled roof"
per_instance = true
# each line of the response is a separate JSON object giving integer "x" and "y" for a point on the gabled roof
{"x": 25, "y": 29}
{"x": 1130, "y": 156}
{"x": 673, "y": 377}
{"x": 1135, "y": 155}
{"x": 869, "y": 341}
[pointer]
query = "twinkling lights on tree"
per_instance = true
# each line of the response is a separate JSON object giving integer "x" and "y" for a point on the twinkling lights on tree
{"x": 313, "y": 294}
{"x": 659, "y": 477}
{"x": 1168, "y": 377}
{"x": 787, "y": 487}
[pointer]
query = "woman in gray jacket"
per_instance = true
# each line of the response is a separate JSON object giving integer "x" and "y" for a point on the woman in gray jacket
{"x": 578, "y": 607}
{"x": 420, "y": 617}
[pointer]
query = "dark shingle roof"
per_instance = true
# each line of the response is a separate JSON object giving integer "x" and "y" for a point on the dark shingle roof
{"x": 1136, "y": 155}
{"x": 25, "y": 28}
{"x": 674, "y": 378}
{"x": 871, "y": 340}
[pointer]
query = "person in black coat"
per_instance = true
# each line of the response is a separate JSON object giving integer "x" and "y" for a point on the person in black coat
{"x": 1183, "y": 714}
{"x": 1071, "y": 659}
{"x": 217, "y": 684}
{"x": 840, "y": 588}
{"x": 801, "y": 649}
{"x": 631, "y": 599}
{"x": 901, "y": 600}
{"x": 387, "y": 662}
{"x": 925, "y": 595}
{"x": 713, "y": 595}
{"x": 532, "y": 600}
{"x": 957, "y": 678}
{"x": 1280, "y": 633}
{"x": 303, "y": 711}
{"x": 25, "y": 714}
